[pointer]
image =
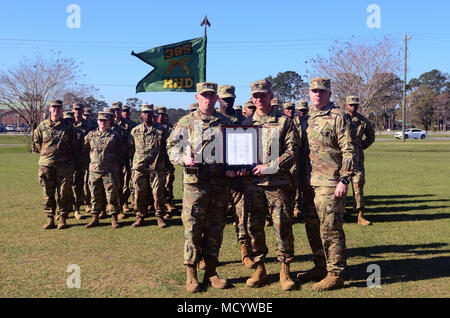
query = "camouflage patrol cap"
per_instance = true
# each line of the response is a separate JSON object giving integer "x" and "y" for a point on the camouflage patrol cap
{"x": 288, "y": 105}
{"x": 238, "y": 107}
{"x": 320, "y": 83}
{"x": 274, "y": 102}
{"x": 352, "y": 100}
{"x": 261, "y": 86}
{"x": 302, "y": 104}
{"x": 226, "y": 91}
{"x": 193, "y": 107}
{"x": 116, "y": 105}
{"x": 108, "y": 111}
{"x": 56, "y": 103}
{"x": 77, "y": 106}
{"x": 125, "y": 108}
{"x": 204, "y": 87}
{"x": 147, "y": 108}
{"x": 162, "y": 110}
{"x": 103, "y": 116}
{"x": 87, "y": 110}
{"x": 249, "y": 103}
{"x": 68, "y": 115}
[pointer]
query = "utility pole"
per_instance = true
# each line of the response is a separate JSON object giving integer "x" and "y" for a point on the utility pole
{"x": 404, "y": 88}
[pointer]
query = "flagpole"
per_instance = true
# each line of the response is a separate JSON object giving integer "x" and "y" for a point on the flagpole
{"x": 207, "y": 24}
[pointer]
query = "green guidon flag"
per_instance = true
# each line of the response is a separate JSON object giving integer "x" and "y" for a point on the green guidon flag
{"x": 178, "y": 67}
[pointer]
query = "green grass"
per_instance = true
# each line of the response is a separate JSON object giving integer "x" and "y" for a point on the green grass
{"x": 407, "y": 198}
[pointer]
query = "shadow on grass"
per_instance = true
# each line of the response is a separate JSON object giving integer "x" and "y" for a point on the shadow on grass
{"x": 396, "y": 203}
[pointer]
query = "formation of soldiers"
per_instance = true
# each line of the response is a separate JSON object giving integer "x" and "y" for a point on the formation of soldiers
{"x": 320, "y": 152}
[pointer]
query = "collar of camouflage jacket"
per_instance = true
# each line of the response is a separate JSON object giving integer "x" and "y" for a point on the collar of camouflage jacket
{"x": 322, "y": 112}
{"x": 206, "y": 118}
{"x": 272, "y": 117}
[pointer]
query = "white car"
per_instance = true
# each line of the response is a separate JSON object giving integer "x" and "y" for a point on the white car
{"x": 414, "y": 133}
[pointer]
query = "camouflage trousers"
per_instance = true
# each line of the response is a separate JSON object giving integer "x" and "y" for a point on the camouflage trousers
{"x": 279, "y": 200}
{"x": 56, "y": 180}
{"x": 358, "y": 181}
{"x": 170, "y": 178}
{"x": 87, "y": 190}
{"x": 241, "y": 215}
{"x": 204, "y": 218}
{"x": 149, "y": 184}
{"x": 324, "y": 227}
{"x": 78, "y": 188}
{"x": 126, "y": 186}
{"x": 104, "y": 187}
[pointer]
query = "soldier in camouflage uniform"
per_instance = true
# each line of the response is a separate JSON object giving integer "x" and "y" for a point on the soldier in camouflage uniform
{"x": 57, "y": 143}
{"x": 105, "y": 150}
{"x": 163, "y": 120}
{"x": 249, "y": 109}
{"x": 301, "y": 122}
{"x": 148, "y": 142}
{"x": 275, "y": 103}
{"x": 115, "y": 112}
{"x": 227, "y": 97}
{"x": 289, "y": 109}
{"x": 204, "y": 202}
{"x": 332, "y": 157}
{"x": 87, "y": 115}
{"x": 125, "y": 122}
{"x": 363, "y": 129}
{"x": 193, "y": 107}
{"x": 269, "y": 188}
{"x": 82, "y": 127}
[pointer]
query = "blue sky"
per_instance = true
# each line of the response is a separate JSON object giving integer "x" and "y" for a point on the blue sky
{"x": 248, "y": 40}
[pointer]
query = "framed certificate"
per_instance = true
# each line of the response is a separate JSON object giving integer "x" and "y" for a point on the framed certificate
{"x": 240, "y": 147}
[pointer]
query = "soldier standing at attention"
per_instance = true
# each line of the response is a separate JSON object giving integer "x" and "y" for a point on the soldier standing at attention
{"x": 301, "y": 122}
{"x": 269, "y": 187}
{"x": 83, "y": 127}
{"x": 249, "y": 109}
{"x": 148, "y": 142}
{"x": 227, "y": 97}
{"x": 362, "y": 128}
{"x": 163, "y": 120}
{"x": 193, "y": 107}
{"x": 289, "y": 109}
{"x": 332, "y": 157}
{"x": 104, "y": 148}
{"x": 57, "y": 143}
{"x": 275, "y": 103}
{"x": 125, "y": 122}
{"x": 204, "y": 200}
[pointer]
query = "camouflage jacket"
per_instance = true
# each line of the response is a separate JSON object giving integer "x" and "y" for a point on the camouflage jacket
{"x": 105, "y": 150}
{"x": 280, "y": 134}
{"x": 362, "y": 127}
{"x": 128, "y": 124}
{"x": 57, "y": 143}
{"x": 149, "y": 147}
{"x": 236, "y": 118}
{"x": 303, "y": 165}
{"x": 331, "y": 146}
{"x": 83, "y": 128}
{"x": 183, "y": 142}
{"x": 124, "y": 136}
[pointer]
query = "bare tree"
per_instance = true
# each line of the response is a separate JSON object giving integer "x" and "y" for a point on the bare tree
{"x": 442, "y": 110}
{"x": 27, "y": 87}
{"x": 362, "y": 69}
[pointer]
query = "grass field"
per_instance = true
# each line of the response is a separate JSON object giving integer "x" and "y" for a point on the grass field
{"x": 407, "y": 198}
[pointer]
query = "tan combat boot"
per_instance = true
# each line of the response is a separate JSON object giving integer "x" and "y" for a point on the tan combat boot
{"x": 121, "y": 216}
{"x": 50, "y": 223}
{"x": 78, "y": 215}
{"x": 62, "y": 222}
{"x": 201, "y": 265}
{"x": 94, "y": 221}
{"x": 139, "y": 222}
{"x": 330, "y": 282}
{"x": 259, "y": 277}
{"x": 211, "y": 275}
{"x": 125, "y": 208}
{"x": 169, "y": 207}
{"x": 114, "y": 223}
{"x": 362, "y": 220}
{"x": 285, "y": 280}
{"x": 192, "y": 285}
{"x": 88, "y": 209}
{"x": 245, "y": 257}
{"x": 102, "y": 215}
{"x": 314, "y": 274}
{"x": 161, "y": 223}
